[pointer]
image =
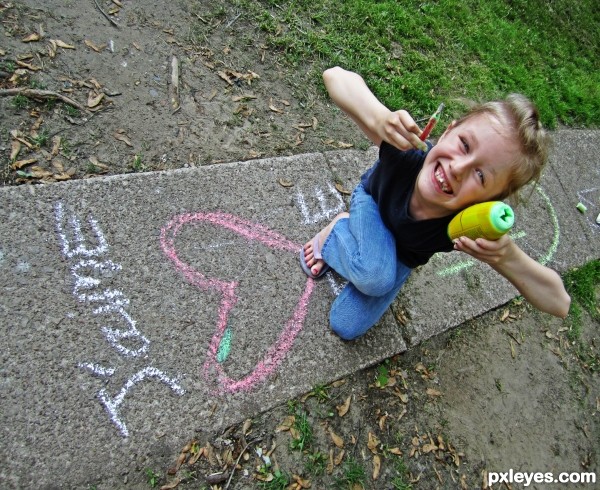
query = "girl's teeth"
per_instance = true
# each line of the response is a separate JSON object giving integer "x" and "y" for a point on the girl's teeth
{"x": 442, "y": 182}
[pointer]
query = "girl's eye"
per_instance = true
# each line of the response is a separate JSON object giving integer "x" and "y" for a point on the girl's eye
{"x": 481, "y": 176}
{"x": 465, "y": 144}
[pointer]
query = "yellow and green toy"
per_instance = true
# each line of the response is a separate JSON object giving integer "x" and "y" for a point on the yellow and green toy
{"x": 489, "y": 220}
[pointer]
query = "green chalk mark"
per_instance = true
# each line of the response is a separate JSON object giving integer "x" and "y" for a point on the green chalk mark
{"x": 224, "y": 346}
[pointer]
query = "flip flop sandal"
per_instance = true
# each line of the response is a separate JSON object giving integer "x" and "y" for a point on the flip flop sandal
{"x": 317, "y": 255}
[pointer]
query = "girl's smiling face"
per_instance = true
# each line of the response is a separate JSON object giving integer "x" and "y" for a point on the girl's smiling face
{"x": 471, "y": 163}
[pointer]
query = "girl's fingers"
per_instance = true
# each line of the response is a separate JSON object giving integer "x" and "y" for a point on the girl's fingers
{"x": 405, "y": 132}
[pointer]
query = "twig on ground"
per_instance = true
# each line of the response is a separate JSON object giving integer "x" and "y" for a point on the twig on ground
{"x": 41, "y": 94}
{"x": 106, "y": 15}
{"x": 238, "y": 461}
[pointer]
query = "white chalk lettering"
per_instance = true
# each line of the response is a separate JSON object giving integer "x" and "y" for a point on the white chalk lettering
{"x": 88, "y": 268}
{"x": 325, "y": 212}
{"x": 112, "y": 404}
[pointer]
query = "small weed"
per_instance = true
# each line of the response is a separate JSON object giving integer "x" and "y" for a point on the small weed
{"x": 305, "y": 434}
{"x": 37, "y": 85}
{"x": 66, "y": 147}
{"x": 8, "y": 66}
{"x": 138, "y": 164}
{"x": 352, "y": 473}
{"x": 41, "y": 139}
{"x": 498, "y": 383}
{"x": 280, "y": 480}
{"x": 321, "y": 393}
{"x": 152, "y": 477}
{"x": 293, "y": 406}
{"x": 383, "y": 376}
{"x": 399, "y": 482}
{"x": 72, "y": 111}
{"x": 20, "y": 102}
{"x": 316, "y": 463}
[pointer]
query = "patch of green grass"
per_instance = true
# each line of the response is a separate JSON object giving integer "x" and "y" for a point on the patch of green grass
{"x": 20, "y": 102}
{"x": 315, "y": 463}
{"x": 138, "y": 164}
{"x": 71, "y": 111}
{"x": 321, "y": 393}
{"x": 305, "y": 433}
{"x": 581, "y": 284}
{"x": 280, "y": 481}
{"x": 152, "y": 477}
{"x": 414, "y": 54}
{"x": 41, "y": 139}
{"x": 401, "y": 480}
{"x": 383, "y": 376}
{"x": 352, "y": 473}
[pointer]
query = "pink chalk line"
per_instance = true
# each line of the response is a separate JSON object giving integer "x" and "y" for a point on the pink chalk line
{"x": 252, "y": 232}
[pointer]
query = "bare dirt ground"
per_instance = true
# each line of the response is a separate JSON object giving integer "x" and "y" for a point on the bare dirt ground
{"x": 190, "y": 83}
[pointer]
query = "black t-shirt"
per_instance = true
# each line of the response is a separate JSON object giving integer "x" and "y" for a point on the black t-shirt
{"x": 391, "y": 183}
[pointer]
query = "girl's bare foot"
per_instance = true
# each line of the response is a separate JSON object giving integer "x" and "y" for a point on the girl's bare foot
{"x": 316, "y": 265}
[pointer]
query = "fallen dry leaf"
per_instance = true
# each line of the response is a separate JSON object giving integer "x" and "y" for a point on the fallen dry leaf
{"x": 56, "y": 141}
{"x": 274, "y": 108}
{"x": 343, "y": 409}
{"x": 22, "y": 163}
{"x": 39, "y": 173}
{"x": 287, "y": 424}
{"x": 246, "y": 426}
{"x": 339, "y": 458}
{"x": 15, "y": 148}
{"x": 301, "y": 482}
{"x": 427, "y": 448}
{"x": 170, "y": 486}
{"x": 62, "y": 44}
{"x": 120, "y": 135}
{"x": 340, "y": 188}
{"x": 433, "y": 392}
{"x": 376, "y": 466}
{"x": 337, "y": 440}
{"x": 382, "y": 421}
{"x": 28, "y": 66}
{"x": 403, "y": 396}
{"x": 373, "y": 443}
{"x": 95, "y": 47}
{"x": 341, "y": 144}
{"x": 330, "y": 463}
{"x": 395, "y": 450}
{"x": 94, "y": 99}
{"x": 196, "y": 456}
{"x": 32, "y": 38}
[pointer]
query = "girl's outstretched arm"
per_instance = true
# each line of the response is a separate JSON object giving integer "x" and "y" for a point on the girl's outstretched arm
{"x": 350, "y": 93}
{"x": 538, "y": 284}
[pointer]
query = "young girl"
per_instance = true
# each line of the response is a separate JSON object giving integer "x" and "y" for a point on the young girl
{"x": 400, "y": 211}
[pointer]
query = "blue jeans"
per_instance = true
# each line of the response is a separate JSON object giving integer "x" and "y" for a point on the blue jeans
{"x": 363, "y": 251}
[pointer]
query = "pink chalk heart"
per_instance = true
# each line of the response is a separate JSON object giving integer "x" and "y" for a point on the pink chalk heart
{"x": 227, "y": 290}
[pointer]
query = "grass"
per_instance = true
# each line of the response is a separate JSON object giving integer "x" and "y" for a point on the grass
{"x": 414, "y": 54}
{"x": 581, "y": 283}
{"x": 352, "y": 474}
{"x": 305, "y": 433}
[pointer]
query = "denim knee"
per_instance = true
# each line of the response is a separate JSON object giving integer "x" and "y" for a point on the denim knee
{"x": 376, "y": 281}
{"x": 348, "y": 328}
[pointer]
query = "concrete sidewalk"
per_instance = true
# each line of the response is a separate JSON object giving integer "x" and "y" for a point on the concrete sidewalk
{"x": 138, "y": 308}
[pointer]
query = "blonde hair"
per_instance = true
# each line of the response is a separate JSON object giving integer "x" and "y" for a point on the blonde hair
{"x": 520, "y": 118}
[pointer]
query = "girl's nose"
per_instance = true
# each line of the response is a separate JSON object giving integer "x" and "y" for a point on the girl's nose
{"x": 458, "y": 168}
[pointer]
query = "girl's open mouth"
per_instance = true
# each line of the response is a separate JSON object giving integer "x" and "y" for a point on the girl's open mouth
{"x": 442, "y": 180}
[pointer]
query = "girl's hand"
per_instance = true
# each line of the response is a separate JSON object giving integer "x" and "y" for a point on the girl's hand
{"x": 491, "y": 252}
{"x": 400, "y": 130}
